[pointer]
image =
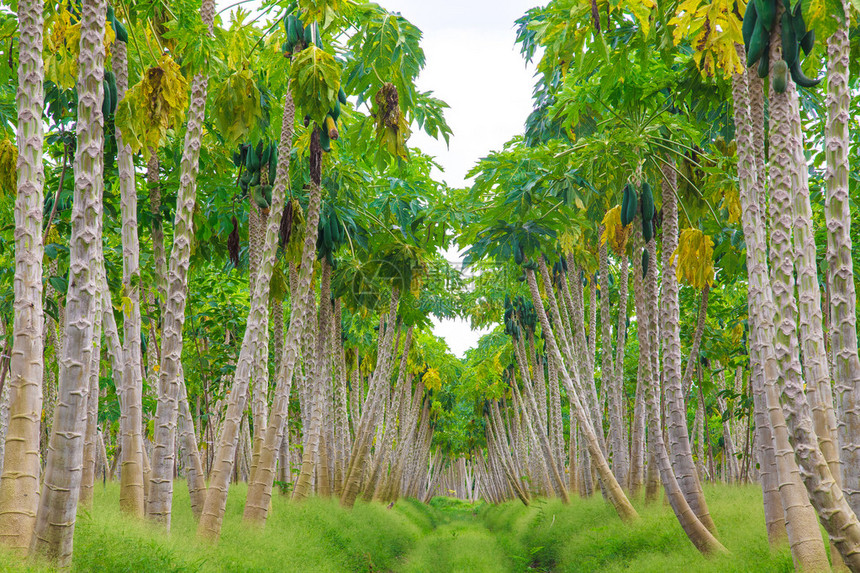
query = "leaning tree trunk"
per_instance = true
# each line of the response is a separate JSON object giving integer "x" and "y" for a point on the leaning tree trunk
{"x": 832, "y": 507}
{"x": 92, "y": 411}
{"x": 614, "y": 493}
{"x": 679, "y": 441}
{"x": 19, "y": 482}
{"x": 846, "y": 365}
{"x": 131, "y": 498}
{"x": 258, "y": 315}
{"x": 696, "y": 531}
{"x": 260, "y": 487}
{"x": 163, "y": 454}
{"x": 58, "y": 503}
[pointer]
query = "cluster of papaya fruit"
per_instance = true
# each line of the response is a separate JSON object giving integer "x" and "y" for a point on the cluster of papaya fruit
{"x": 299, "y": 36}
{"x": 520, "y": 315}
{"x": 331, "y": 235}
{"x": 254, "y": 159}
{"x": 328, "y": 131}
{"x": 630, "y": 204}
{"x": 759, "y": 22}
{"x": 119, "y": 30}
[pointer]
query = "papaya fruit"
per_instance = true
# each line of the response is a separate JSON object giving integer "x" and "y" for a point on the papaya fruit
{"x": 800, "y": 78}
{"x": 273, "y": 163}
{"x": 331, "y": 127}
{"x": 764, "y": 63}
{"x": 647, "y": 230}
{"x": 789, "y": 40}
{"x": 519, "y": 255}
{"x": 766, "y": 10}
{"x": 258, "y": 197}
{"x": 335, "y": 111}
{"x": 120, "y": 31}
{"x": 647, "y": 202}
{"x": 629, "y": 205}
{"x": 341, "y": 96}
{"x": 748, "y": 26}
{"x": 309, "y": 34}
{"x": 807, "y": 42}
{"x": 779, "y": 77}
{"x": 325, "y": 141}
{"x": 758, "y": 43}
{"x": 105, "y": 98}
{"x": 797, "y": 21}
{"x": 645, "y": 259}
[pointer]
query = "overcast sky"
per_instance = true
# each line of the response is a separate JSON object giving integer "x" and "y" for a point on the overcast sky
{"x": 475, "y": 67}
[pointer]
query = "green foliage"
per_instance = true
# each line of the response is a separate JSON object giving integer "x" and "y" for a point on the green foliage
{"x": 315, "y": 76}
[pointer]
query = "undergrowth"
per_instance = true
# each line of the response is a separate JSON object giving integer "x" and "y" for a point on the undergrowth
{"x": 446, "y": 535}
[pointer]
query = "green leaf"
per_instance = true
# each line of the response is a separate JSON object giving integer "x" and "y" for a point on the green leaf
{"x": 315, "y": 76}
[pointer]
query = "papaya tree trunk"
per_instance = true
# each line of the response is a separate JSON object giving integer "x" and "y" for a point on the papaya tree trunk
{"x": 19, "y": 481}
{"x": 159, "y": 503}
{"x": 832, "y": 507}
{"x": 58, "y": 502}
{"x": 614, "y": 493}
{"x": 131, "y": 478}
{"x": 219, "y": 479}
{"x": 843, "y": 299}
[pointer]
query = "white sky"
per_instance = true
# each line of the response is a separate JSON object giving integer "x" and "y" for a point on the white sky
{"x": 472, "y": 64}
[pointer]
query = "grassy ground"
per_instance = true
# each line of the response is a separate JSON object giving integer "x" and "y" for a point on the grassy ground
{"x": 446, "y": 536}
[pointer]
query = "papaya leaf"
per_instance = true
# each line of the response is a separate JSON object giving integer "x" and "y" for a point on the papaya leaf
{"x": 315, "y": 76}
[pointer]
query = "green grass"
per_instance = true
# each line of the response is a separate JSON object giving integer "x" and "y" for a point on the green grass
{"x": 588, "y": 536}
{"x": 445, "y": 535}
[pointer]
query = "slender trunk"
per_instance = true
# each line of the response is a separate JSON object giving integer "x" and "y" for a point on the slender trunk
{"x": 219, "y": 479}
{"x": 825, "y": 494}
{"x": 696, "y": 531}
{"x": 163, "y": 455}
{"x": 131, "y": 480}
{"x": 190, "y": 454}
{"x": 614, "y": 492}
{"x": 843, "y": 300}
{"x": 58, "y": 503}
{"x": 92, "y": 412}
{"x": 311, "y": 454}
{"x": 19, "y": 481}
{"x": 617, "y": 419}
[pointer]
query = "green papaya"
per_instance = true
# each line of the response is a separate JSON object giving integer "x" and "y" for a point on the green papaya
{"x": 647, "y": 202}
{"x": 273, "y": 164}
{"x": 309, "y": 34}
{"x": 341, "y": 96}
{"x": 335, "y": 111}
{"x": 264, "y": 157}
{"x": 106, "y": 98}
{"x": 807, "y": 42}
{"x": 647, "y": 230}
{"x": 258, "y": 197}
{"x": 110, "y": 94}
{"x": 800, "y": 78}
{"x": 750, "y": 18}
{"x": 325, "y": 140}
{"x": 797, "y": 21}
{"x": 764, "y": 63}
{"x": 267, "y": 194}
{"x": 766, "y": 10}
{"x": 121, "y": 32}
{"x": 645, "y": 259}
{"x": 779, "y": 77}
{"x": 758, "y": 44}
{"x": 629, "y": 205}
{"x": 789, "y": 40}
{"x": 291, "y": 25}
{"x": 519, "y": 255}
